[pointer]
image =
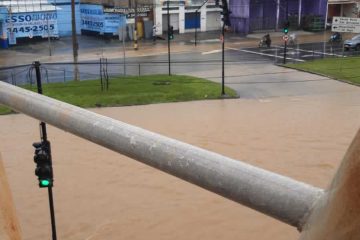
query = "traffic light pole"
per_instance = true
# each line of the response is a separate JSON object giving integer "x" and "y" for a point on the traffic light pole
{"x": 43, "y": 134}
{"x": 223, "y": 60}
{"x": 285, "y": 49}
{"x": 168, "y": 30}
{"x": 286, "y": 30}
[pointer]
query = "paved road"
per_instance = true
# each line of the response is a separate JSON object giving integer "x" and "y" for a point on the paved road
{"x": 300, "y": 52}
{"x": 250, "y": 71}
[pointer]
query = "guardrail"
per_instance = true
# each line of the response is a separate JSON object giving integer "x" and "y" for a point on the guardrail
{"x": 280, "y": 197}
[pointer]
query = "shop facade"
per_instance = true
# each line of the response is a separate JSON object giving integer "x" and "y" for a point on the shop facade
{"x": 115, "y": 21}
{"x": 257, "y": 15}
{"x": 342, "y": 8}
{"x": 22, "y": 21}
{"x": 186, "y": 16}
{"x": 63, "y": 11}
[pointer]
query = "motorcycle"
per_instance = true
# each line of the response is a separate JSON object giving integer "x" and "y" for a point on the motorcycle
{"x": 292, "y": 39}
{"x": 335, "y": 37}
{"x": 265, "y": 41}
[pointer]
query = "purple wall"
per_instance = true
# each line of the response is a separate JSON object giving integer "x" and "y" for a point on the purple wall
{"x": 252, "y": 15}
{"x": 240, "y": 15}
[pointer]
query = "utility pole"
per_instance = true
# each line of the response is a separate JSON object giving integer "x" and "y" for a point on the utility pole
{"x": 48, "y": 33}
{"x": 198, "y": 19}
{"x": 196, "y": 15}
{"x": 74, "y": 41}
{"x": 135, "y": 28}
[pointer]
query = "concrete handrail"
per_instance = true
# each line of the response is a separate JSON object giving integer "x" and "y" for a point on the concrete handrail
{"x": 277, "y": 196}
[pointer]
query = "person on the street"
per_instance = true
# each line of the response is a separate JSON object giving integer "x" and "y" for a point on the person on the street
{"x": 267, "y": 40}
{"x": 154, "y": 33}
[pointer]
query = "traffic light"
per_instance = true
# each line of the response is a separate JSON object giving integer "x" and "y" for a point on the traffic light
{"x": 171, "y": 33}
{"x": 286, "y": 27}
{"x": 42, "y": 159}
{"x": 225, "y": 13}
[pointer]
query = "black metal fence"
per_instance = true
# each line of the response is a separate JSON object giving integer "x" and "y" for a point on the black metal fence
{"x": 103, "y": 69}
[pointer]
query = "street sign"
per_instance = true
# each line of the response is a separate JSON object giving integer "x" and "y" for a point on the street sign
{"x": 345, "y": 24}
{"x": 285, "y": 38}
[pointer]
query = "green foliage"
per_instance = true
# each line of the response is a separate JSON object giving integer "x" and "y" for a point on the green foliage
{"x": 125, "y": 91}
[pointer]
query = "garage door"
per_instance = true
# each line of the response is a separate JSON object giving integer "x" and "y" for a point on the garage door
{"x": 192, "y": 20}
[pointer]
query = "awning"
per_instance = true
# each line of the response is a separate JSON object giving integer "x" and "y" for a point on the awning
{"x": 341, "y": 2}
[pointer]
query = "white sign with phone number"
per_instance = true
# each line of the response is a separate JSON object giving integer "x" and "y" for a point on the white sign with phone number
{"x": 32, "y": 24}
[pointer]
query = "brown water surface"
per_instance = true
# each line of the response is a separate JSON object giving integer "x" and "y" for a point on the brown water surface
{"x": 100, "y": 194}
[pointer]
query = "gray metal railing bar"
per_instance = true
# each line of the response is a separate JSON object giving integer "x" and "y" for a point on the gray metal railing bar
{"x": 278, "y": 196}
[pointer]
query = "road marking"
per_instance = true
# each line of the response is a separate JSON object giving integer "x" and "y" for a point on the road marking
{"x": 265, "y": 54}
{"x": 211, "y": 52}
{"x": 207, "y": 40}
{"x": 309, "y": 51}
{"x": 310, "y": 55}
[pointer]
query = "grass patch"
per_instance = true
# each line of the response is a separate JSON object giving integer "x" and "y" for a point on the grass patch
{"x": 125, "y": 91}
{"x": 339, "y": 68}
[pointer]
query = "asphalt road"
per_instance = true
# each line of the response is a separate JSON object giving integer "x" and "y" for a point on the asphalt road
{"x": 301, "y": 52}
{"x": 250, "y": 71}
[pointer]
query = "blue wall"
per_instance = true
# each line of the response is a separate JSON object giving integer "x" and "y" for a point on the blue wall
{"x": 64, "y": 18}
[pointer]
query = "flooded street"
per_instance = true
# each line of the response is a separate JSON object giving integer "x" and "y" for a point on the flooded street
{"x": 100, "y": 194}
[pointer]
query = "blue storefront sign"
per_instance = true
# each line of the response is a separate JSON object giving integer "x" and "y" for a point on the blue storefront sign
{"x": 32, "y": 24}
{"x": 3, "y": 36}
{"x": 94, "y": 19}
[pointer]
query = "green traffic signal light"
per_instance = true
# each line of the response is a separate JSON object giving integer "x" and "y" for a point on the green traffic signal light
{"x": 45, "y": 183}
{"x": 286, "y": 30}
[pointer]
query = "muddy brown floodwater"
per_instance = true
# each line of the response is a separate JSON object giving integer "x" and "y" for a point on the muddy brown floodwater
{"x": 100, "y": 194}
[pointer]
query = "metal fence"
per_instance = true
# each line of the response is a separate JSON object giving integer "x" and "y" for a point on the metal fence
{"x": 106, "y": 68}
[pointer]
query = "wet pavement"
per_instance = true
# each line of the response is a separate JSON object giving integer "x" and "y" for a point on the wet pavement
{"x": 292, "y": 123}
{"x": 91, "y": 47}
{"x": 248, "y": 69}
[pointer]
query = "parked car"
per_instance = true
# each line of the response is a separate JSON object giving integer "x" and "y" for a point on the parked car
{"x": 353, "y": 43}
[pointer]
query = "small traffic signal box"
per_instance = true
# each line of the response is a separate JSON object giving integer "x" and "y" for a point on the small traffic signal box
{"x": 225, "y": 13}
{"x": 42, "y": 158}
{"x": 171, "y": 33}
{"x": 286, "y": 27}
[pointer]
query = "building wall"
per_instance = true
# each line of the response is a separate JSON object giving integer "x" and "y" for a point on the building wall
{"x": 184, "y": 19}
{"x": 213, "y": 21}
{"x": 64, "y": 19}
{"x": 251, "y": 15}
